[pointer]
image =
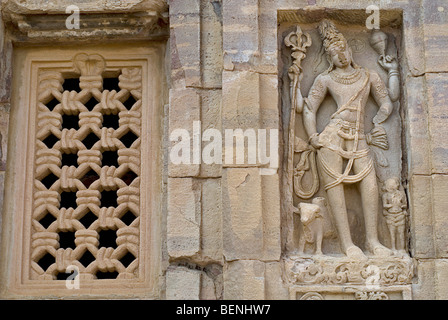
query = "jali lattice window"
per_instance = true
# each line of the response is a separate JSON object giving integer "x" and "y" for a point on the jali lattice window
{"x": 87, "y": 172}
{"x": 86, "y": 200}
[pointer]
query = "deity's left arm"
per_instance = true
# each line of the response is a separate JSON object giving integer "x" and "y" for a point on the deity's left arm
{"x": 381, "y": 96}
{"x": 390, "y": 64}
{"x": 394, "y": 85}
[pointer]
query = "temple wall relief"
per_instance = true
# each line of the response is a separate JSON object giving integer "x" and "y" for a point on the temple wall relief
{"x": 346, "y": 217}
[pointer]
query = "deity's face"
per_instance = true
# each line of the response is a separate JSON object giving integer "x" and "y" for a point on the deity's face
{"x": 340, "y": 55}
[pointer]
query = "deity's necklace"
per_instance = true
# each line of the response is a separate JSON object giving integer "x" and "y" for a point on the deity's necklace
{"x": 347, "y": 79}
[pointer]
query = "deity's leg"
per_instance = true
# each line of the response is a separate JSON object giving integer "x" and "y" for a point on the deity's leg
{"x": 336, "y": 200}
{"x": 368, "y": 187}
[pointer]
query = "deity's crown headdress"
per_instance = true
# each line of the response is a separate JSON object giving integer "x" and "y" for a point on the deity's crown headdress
{"x": 331, "y": 37}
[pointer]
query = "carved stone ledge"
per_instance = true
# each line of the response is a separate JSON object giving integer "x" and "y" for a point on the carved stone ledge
{"x": 40, "y": 20}
{"x": 391, "y": 17}
{"x": 330, "y": 270}
{"x": 350, "y": 293}
{"x": 90, "y": 6}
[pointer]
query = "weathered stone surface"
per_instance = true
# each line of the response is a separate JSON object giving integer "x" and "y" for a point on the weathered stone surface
{"x": 434, "y": 22}
{"x": 5, "y": 64}
{"x": 240, "y": 110}
{"x": 185, "y": 25}
{"x": 440, "y": 222}
{"x": 441, "y": 268}
{"x": 269, "y": 102}
{"x": 4, "y": 126}
{"x": 268, "y": 61}
{"x": 211, "y": 106}
{"x": 211, "y": 38}
{"x": 241, "y": 30}
{"x": 251, "y": 224}
{"x": 244, "y": 280}
{"x": 2, "y": 189}
{"x": 270, "y": 187}
{"x": 437, "y": 86}
{"x": 241, "y": 100}
{"x": 432, "y": 280}
{"x": 243, "y": 233}
{"x": 275, "y": 287}
{"x": 183, "y": 284}
{"x": 212, "y": 237}
{"x": 414, "y": 46}
{"x": 193, "y": 282}
{"x": 184, "y": 217}
{"x": 185, "y": 109}
{"x": 421, "y": 217}
{"x": 208, "y": 290}
{"x": 424, "y": 289}
{"x": 418, "y": 146}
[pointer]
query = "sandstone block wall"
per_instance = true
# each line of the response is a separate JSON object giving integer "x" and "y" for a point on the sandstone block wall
{"x": 222, "y": 225}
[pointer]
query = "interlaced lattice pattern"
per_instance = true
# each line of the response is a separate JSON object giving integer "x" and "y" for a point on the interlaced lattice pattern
{"x": 86, "y": 178}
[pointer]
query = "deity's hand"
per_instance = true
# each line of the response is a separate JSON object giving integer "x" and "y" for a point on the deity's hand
{"x": 314, "y": 141}
{"x": 295, "y": 73}
{"x": 388, "y": 63}
{"x": 378, "y": 137}
{"x": 380, "y": 117}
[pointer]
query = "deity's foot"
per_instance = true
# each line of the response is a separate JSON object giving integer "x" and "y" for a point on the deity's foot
{"x": 380, "y": 250}
{"x": 355, "y": 253}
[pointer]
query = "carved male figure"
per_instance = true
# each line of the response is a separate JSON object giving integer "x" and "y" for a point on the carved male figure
{"x": 394, "y": 210}
{"x": 343, "y": 140}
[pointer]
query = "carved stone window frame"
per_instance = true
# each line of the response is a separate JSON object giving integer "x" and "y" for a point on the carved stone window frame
{"x": 133, "y": 47}
{"x": 20, "y": 174}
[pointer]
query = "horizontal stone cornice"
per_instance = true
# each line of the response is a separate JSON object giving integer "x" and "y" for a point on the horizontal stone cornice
{"x": 40, "y": 20}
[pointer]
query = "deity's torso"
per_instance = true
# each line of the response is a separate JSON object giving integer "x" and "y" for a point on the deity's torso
{"x": 350, "y": 94}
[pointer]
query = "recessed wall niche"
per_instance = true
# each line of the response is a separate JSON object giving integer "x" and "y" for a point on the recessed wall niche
{"x": 345, "y": 207}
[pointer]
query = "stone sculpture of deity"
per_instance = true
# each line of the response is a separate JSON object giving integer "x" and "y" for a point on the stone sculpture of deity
{"x": 343, "y": 152}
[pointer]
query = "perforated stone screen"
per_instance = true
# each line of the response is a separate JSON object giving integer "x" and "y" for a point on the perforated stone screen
{"x": 86, "y": 209}
{"x": 87, "y": 170}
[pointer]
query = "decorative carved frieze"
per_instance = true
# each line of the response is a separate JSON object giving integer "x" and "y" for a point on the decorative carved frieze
{"x": 351, "y": 292}
{"x": 40, "y": 20}
{"x": 325, "y": 270}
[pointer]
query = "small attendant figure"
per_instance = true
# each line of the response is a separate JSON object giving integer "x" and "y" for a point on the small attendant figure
{"x": 394, "y": 210}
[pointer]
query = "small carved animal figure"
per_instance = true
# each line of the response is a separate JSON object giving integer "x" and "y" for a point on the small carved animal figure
{"x": 316, "y": 224}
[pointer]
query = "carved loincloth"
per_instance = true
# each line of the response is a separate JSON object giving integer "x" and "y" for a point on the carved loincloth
{"x": 347, "y": 131}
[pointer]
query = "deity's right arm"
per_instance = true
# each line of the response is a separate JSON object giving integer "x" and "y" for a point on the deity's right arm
{"x": 317, "y": 94}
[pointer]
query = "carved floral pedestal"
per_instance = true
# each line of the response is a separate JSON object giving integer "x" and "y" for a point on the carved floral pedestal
{"x": 339, "y": 277}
